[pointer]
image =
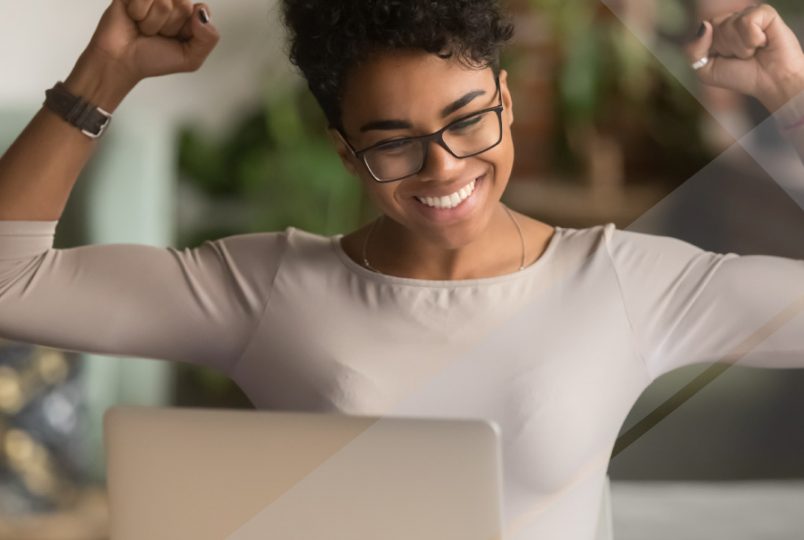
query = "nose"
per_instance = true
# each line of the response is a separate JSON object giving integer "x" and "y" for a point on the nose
{"x": 439, "y": 163}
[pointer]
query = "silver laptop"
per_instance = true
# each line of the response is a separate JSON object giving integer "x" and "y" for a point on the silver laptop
{"x": 201, "y": 474}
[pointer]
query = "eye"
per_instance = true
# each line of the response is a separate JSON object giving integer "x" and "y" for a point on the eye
{"x": 464, "y": 124}
{"x": 395, "y": 146}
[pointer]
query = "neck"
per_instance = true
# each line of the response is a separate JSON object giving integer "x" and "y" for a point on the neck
{"x": 395, "y": 250}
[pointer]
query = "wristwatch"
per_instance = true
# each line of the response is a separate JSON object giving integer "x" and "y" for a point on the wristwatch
{"x": 89, "y": 118}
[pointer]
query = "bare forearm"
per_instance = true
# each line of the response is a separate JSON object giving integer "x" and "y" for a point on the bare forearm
{"x": 790, "y": 119}
{"x": 797, "y": 139}
{"x": 39, "y": 170}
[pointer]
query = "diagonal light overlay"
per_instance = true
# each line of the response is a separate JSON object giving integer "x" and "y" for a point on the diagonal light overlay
{"x": 711, "y": 373}
{"x": 454, "y": 387}
{"x": 782, "y": 165}
{"x": 433, "y": 394}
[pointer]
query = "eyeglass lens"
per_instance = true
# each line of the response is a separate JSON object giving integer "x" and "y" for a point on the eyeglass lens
{"x": 404, "y": 157}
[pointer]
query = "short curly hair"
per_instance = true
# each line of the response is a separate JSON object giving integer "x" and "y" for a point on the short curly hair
{"x": 327, "y": 38}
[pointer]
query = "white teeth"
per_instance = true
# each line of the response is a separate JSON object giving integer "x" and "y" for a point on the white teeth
{"x": 450, "y": 201}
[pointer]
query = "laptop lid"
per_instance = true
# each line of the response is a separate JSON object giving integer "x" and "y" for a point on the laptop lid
{"x": 241, "y": 474}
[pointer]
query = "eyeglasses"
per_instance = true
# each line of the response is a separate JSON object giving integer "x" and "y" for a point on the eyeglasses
{"x": 468, "y": 136}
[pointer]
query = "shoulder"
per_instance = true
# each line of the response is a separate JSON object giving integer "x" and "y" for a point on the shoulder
{"x": 251, "y": 244}
{"x": 634, "y": 247}
{"x": 258, "y": 258}
{"x": 289, "y": 237}
{"x": 636, "y": 252}
{"x": 645, "y": 261}
{"x": 248, "y": 253}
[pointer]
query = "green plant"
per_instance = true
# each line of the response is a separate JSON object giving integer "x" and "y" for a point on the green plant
{"x": 611, "y": 82}
{"x": 277, "y": 166}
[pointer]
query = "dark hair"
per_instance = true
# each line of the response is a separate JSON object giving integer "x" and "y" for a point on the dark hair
{"x": 329, "y": 37}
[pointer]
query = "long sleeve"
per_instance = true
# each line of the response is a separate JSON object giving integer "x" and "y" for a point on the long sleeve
{"x": 687, "y": 305}
{"x": 196, "y": 305}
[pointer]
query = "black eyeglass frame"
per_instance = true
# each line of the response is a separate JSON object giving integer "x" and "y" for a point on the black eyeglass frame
{"x": 424, "y": 140}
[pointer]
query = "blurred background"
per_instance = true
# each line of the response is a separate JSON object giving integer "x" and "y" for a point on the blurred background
{"x": 610, "y": 127}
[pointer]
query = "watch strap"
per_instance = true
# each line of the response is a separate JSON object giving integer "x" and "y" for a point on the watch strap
{"x": 89, "y": 118}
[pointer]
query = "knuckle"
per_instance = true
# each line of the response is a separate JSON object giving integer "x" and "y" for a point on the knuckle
{"x": 185, "y": 8}
{"x": 767, "y": 9}
{"x": 749, "y": 27}
{"x": 163, "y": 6}
{"x": 137, "y": 10}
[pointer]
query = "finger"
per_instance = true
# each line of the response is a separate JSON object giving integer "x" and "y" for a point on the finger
{"x": 186, "y": 32}
{"x": 157, "y": 16}
{"x": 718, "y": 70}
{"x": 750, "y": 27}
{"x": 728, "y": 40}
{"x": 181, "y": 12}
{"x": 779, "y": 37}
{"x": 201, "y": 37}
{"x": 700, "y": 48}
{"x": 740, "y": 34}
{"x": 138, "y": 9}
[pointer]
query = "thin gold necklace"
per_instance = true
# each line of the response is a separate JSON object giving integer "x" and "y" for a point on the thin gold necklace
{"x": 510, "y": 214}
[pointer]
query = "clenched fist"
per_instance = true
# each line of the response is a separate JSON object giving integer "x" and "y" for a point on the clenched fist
{"x": 750, "y": 51}
{"x": 150, "y": 38}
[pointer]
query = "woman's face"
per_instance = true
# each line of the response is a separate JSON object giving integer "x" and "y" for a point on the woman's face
{"x": 404, "y": 94}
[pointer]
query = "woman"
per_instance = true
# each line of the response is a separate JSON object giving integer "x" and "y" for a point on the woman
{"x": 449, "y": 304}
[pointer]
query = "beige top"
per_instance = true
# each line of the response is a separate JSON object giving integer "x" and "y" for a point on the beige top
{"x": 555, "y": 354}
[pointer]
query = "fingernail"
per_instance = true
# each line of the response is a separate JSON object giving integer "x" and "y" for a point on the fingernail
{"x": 701, "y": 30}
{"x": 203, "y": 15}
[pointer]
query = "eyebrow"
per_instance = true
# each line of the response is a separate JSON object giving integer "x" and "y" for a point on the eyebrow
{"x": 403, "y": 124}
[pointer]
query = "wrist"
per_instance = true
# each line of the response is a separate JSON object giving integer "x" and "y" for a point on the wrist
{"x": 98, "y": 81}
{"x": 790, "y": 116}
{"x": 785, "y": 90}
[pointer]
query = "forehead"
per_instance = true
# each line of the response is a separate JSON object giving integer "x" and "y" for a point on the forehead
{"x": 409, "y": 85}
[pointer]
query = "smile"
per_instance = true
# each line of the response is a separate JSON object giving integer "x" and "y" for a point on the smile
{"x": 449, "y": 201}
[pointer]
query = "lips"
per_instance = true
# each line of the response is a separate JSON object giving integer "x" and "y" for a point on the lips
{"x": 447, "y": 215}
{"x": 447, "y": 193}
{"x": 450, "y": 201}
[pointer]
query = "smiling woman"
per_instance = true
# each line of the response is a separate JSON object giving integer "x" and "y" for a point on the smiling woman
{"x": 454, "y": 236}
{"x": 465, "y": 309}
{"x": 393, "y": 78}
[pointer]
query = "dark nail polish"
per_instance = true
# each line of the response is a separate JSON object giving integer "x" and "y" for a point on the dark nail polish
{"x": 701, "y": 30}
{"x": 202, "y": 14}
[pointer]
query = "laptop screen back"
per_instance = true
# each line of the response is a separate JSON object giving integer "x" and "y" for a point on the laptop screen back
{"x": 243, "y": 475}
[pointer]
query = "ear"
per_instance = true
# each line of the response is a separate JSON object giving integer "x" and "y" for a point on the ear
{"x": 506, "y": 97}
{"x": 343, "y": 152}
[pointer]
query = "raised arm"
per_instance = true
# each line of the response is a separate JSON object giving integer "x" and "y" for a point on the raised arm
{"x": 131, "y": 43}
{"x": 196, "y": 305}
{"x": 754, "y": 52}
{"x": 692, "y": 306}
{"x": 199, "y": 305}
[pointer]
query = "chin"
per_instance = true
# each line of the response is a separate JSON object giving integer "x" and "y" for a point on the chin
{"x": 455, "y": 236}
{"x": 468, "y": 214}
